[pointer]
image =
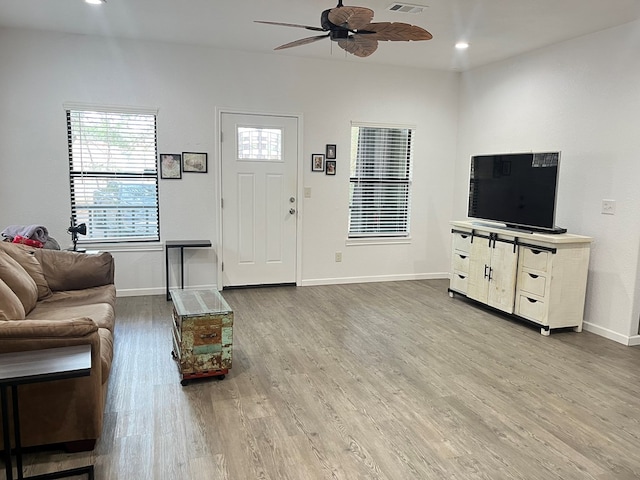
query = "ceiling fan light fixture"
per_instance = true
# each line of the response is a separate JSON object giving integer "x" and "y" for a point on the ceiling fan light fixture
{"x": 354, "y": 30}
{"x": 95, "y": 2}
{"x": 462, "y": 45}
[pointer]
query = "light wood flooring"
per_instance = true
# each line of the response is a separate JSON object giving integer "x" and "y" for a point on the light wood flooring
{"x": 368, "y": 381}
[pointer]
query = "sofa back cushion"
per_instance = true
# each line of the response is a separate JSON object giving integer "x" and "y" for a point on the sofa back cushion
{"x": 75, "y": 271}
{"x": 10, "y": 306}
{"x": 25, "y": 256}
{"x": 18, "y": 280}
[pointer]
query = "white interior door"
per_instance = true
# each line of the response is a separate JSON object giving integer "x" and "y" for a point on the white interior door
{"x": 259, "y": 199}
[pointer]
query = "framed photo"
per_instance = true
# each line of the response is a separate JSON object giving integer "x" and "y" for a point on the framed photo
{"x": 331, "y": 167}
{"x": 317, "y": 162}
{"x": 331, "y": 151}
{"x": 194, "y": 162}
{"x": 170, "y": 165}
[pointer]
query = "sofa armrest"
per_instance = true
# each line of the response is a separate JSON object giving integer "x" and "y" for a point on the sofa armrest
{"x": 20, "y": 335}
{"x": 65, "y": 270}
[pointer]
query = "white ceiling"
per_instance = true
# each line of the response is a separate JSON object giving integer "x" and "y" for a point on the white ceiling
{"x": 496, "y": 29}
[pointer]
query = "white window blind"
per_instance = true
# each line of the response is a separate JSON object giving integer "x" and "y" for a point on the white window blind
{"x": 380, "y": 181}
{"x": 114, "y": 175}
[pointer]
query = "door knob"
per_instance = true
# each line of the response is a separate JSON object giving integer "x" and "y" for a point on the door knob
{"x": 292, "y": 211}
{"x": 292, "y": 199}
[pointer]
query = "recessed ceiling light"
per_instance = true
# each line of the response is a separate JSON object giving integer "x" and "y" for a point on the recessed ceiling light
{"x": 462, "y": 45}
{"x": 96, "y": 2}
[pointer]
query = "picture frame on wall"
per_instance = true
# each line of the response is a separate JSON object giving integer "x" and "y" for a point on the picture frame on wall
{"x": 170, "y": 166}
{"x": 194, "y": 162}
{"x": 331, "y": 167}
{"x": 317, "y": 162}
{"x": 331, "y": 151}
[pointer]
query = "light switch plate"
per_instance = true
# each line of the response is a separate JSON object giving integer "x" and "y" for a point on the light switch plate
{"x": 608, "y": 207}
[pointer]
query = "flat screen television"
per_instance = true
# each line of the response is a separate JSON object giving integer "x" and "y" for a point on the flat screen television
{"x": 516, "y": 189}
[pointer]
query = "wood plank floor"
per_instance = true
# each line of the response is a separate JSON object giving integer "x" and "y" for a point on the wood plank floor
{"x": 368, "y": 381}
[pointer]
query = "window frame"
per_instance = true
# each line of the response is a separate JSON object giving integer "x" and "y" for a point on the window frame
{"x": 149, "y": 178}
{"x": 355, "y": 180}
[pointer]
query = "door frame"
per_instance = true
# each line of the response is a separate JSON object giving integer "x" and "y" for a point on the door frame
{"x": 218, "y": 185}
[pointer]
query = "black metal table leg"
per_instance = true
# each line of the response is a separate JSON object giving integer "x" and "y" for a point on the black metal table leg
{"x": 182, "y": 267}
{"x": 16, "y": 431}
{"x": 8, "y": 467}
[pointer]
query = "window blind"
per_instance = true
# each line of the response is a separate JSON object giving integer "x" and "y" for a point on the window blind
{"x": 380, "y": 181}
{"x": 114, "y": 175}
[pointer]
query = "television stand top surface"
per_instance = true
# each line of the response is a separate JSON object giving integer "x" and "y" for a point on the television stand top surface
{"x": 556, "y": 236}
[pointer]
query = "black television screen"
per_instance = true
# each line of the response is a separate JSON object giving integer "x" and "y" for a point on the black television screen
{"x": 517, "y": 189}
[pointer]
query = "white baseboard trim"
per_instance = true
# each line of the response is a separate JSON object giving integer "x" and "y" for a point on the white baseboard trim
{"x": 139, "y": 292}
{"x": 634, "y": 340}
{"x": 611, "y": 335}
{"x": 377, "y": 278}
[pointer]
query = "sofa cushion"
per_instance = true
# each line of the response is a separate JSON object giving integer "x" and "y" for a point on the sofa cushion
{"x": 25, "y": 256}
{"x": 10, "y": 305}
{"x": 102, "y": 314}
{"x": 75, "y": 271}
{"x": 18, "y": 280}
{"x": 68, "y": 298}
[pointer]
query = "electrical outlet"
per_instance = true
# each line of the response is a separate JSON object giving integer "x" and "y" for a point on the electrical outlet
{"x": 338, "y": 256}
{"x": 608, "y": 207}
{"x": 307, "y": 192}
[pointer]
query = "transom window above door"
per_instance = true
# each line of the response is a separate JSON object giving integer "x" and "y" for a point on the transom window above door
{"x": 256, "y": 143}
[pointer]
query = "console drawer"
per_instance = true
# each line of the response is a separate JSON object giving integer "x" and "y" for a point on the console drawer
{"x": 460, "y": 261}
{"x": 459, "y": 282}
{"x": 532, "y": 283}
{"x": 462, "y": 242}
{"x": 531, "y": 308}
{"x": 535, "y": 259}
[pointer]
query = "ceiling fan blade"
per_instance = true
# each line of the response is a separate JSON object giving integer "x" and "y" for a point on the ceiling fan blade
{"x": 359, "y": 45}
{"x": 316, "y": 29}
{"x": 352, "y": 18}
{"x": 302, "y": 41}
{"x": 394, "y": 32}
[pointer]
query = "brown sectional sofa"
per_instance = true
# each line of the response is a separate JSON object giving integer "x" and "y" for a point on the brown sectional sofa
{"x": 53, "y": 298}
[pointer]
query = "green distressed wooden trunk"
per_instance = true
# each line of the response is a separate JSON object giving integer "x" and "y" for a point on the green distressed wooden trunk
{"x": 202, "y": 332}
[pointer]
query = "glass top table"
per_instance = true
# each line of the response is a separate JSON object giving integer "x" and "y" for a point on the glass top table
{"x": 199, "y": 302}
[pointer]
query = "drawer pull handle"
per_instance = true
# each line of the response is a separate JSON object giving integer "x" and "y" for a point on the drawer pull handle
{"x": 462, "y": 276}
{"x": 533, "y": 276}
{"x": 532, "y": 300}
{"x": 208, "y": 335}
{"x": 464, "y": 236}
{"x": 536, "y": 252}
{"x": 462, "y": 256}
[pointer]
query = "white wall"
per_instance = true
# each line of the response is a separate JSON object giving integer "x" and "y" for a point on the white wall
{"x": 580, "y": 97}
{"x": 40, "y": 71}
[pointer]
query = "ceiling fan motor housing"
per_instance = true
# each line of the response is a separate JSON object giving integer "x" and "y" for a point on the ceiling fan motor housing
{"x": 336, "y": 32}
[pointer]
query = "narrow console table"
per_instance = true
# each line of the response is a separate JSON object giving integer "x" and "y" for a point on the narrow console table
{"x": 181, "y": 244}
{"x": 37, "y": 366}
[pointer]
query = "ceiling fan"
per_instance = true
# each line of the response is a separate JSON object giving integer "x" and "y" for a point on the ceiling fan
{"x": 352, "y": 29}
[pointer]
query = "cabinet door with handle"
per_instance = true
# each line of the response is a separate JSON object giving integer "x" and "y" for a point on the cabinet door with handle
{"x": 492, "y": 272}
{"x": 502, "y": 281}
{"x": 479, "y": 266}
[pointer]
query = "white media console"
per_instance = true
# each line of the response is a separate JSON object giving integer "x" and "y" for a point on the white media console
{"x": 538, "y": 277}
